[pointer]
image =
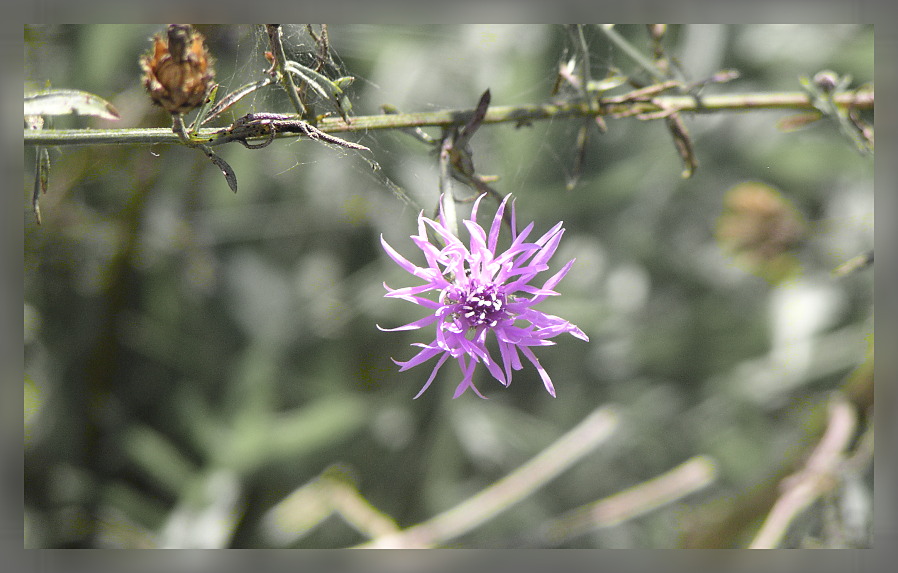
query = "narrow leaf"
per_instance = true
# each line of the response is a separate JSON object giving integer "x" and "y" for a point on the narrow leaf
{"x": 344, "y": 82}
{"x": 683, "y": 143}
{"x": 606, "y": 84}
{"x": 64, "y": 102}
{"x": 474, "y": 123}
{"x": 43, "y": 167}
{"x": 204, "y": 110}
{"x": 794, "y": 122}
{"x": 234, "y": 97}
{"x": 41, "y": 178}
{"x": 327, "y": 88}
{"x": 311, "y": 83}
{"x": 226, "y": 169}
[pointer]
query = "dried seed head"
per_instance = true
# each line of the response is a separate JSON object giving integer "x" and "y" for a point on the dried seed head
{"x": 178, "y": 71}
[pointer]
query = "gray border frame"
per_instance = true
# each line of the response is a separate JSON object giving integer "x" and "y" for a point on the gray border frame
{"x": 829, "y": 11}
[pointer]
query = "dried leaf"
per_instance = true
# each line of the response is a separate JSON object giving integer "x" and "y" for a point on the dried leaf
{"x": 35, "y": 204}
{"x": 235, "y": 96}
{"x": 795, "y": 122}
{"x": 854, "y": 264}
{"x": 683, "y": 143}
{"x": 41, "y": 178}
{"x": 43, "y": 167}
{"x": 226, "y": 169}
{"x": 474, "y": 123}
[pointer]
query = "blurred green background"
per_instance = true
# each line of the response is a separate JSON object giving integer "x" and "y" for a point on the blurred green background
{"x": 193, "y": 356}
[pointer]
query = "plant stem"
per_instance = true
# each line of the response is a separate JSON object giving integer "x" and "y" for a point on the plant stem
{"x": 277, "y": 50}
{"x": 632, "y": 52}
{"x": 576, "y": 31}
{"x": 821, "y": 474}
{"x": 573, "y": 446}
{"x": 520, "y": 114}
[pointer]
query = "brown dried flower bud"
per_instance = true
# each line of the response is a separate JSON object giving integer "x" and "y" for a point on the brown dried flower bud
{"x": 178, "y": 71}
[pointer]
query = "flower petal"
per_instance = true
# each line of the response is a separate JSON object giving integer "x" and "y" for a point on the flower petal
{"x": 487, "y": 358}
{"x": 549, "y": 248}
{"x": 434, "y": 256}
{"x": 509, "y": 359}
{"x": 477, "y": 201}
{"x": 497, "y": 224}
{"x": 539, "y": 368}
{"x": 405, "y": 263}
{"x": 443, "y": 233}
{"x": 521, "y": 237}
{"x": 530, "y": 289}
{"x": 433, "y": 374}
{"x": 426, "y": 354}
{"x": 478, "y": 237}
{"x": 408, "y": 294}
{"x": 412, "y": 325}
{"x": 460, "y": 273}
{"x": 467, "y": 381}
{"x": 556, "y": 278}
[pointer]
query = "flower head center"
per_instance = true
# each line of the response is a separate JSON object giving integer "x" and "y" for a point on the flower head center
{"x": 483, "y": 305}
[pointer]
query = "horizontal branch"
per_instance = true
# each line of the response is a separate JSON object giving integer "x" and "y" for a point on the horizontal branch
{"x": 520, "y": 114}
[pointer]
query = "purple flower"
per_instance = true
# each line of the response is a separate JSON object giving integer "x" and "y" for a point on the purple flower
{"x": 482, "y": 292}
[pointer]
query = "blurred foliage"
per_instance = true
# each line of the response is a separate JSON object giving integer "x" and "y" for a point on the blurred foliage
{"x": 760, "y": 229}
{"x": 194, "y": 357}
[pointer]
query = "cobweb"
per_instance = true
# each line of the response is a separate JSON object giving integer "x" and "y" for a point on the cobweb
{"x": 302, "y": 44}
{"x": 418, "y": 68}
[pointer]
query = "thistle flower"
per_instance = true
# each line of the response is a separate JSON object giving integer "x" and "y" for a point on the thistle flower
{"x": 480, "y": 292}
{"x": 178, "y": 70}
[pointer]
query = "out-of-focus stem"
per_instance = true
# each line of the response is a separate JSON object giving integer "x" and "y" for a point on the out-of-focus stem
{"x": 687, "y": 478}
{"x": 819, "y": 475}
{"x": 516, "y": 486}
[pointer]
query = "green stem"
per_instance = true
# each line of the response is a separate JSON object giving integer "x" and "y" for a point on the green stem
{"x": 521, "y": 114}
{"x": 585, "y": 67}
{"x": 280, "y": 59}
{"x": 632, "y": 52}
